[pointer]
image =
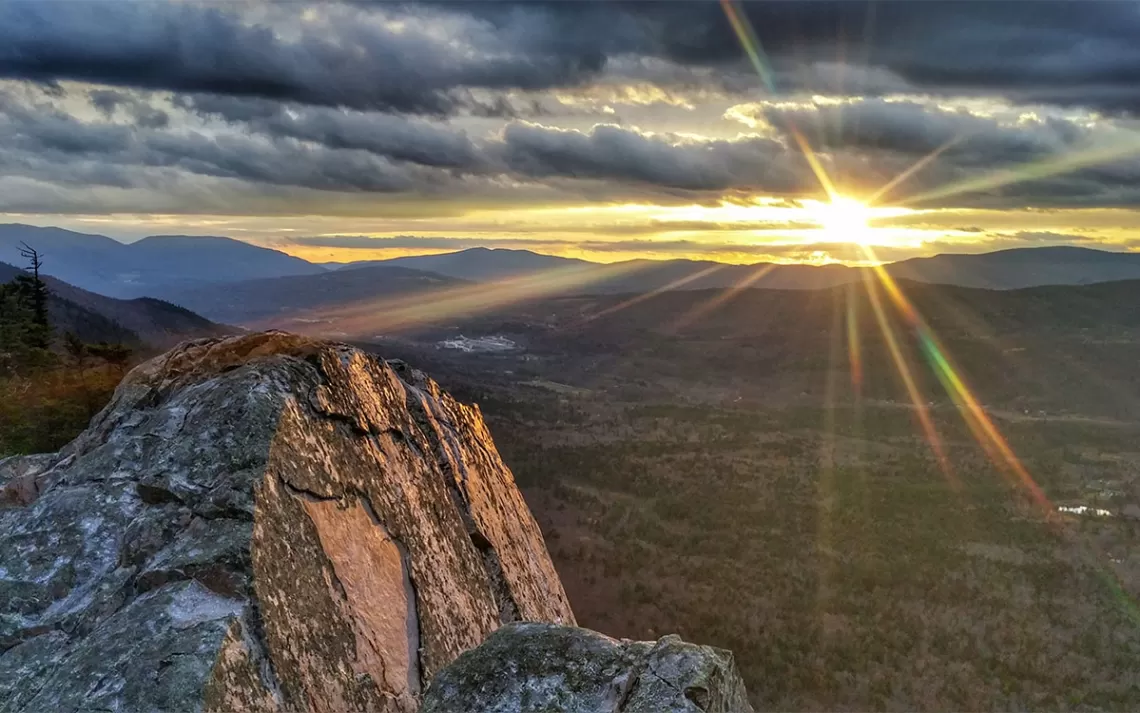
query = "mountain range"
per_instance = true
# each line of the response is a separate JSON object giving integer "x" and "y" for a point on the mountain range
{"x": 150, "y": 266}
{"x": 264, "y": 284}
{"x": 137, "y": 322}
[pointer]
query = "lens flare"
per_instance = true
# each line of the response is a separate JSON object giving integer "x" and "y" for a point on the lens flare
{"x": 975, "y": 416}
{"x": 899, "y": 359}
{"x": 755, "y": 51}
{"x": 1032, "y": 171}
{"x": 854, "y": 351}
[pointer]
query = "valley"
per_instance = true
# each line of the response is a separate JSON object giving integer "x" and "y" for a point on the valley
{"x": 728, "y": 481}
{"x": 755, "y": 469}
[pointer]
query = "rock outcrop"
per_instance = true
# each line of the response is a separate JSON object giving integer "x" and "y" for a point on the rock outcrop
{"x": 262, "y": 523}
{"x": 533, "y": 668}
{"x": 268, "y": 523}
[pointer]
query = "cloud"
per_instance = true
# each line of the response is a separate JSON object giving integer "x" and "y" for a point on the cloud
{"x": 421, "y": 101}
{"x": 395, "y": 137}
{"x": 615, "y": 153}
{"x": 48, "y": 144}
{"x": 110, "y": 101}
{"x": 918, "y": 129}
{"x": 1040, "y": 237}
{"x": 429, "y": 57}
{"x": 383, "y": 57}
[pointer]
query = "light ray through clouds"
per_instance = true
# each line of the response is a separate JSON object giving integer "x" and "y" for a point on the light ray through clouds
{"x": 914, "y": 169}
{"x": 755, "y": 51}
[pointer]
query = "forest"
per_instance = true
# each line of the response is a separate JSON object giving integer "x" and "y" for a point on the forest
{"x": 51, "y": 381}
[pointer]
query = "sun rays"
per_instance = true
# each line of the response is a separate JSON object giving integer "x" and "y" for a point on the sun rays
{"x": 845, "y": 219}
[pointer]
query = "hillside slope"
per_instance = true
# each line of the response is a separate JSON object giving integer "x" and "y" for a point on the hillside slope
{"x": 288, "y": 298}
{"x": 145, "y": 268}
{"x": 95, "y": 318}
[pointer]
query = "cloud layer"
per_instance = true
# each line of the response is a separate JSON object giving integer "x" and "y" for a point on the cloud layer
{"x": 376, "y": 108}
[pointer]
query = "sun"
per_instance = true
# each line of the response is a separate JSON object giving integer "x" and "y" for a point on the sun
{"x": 843, "y": 219}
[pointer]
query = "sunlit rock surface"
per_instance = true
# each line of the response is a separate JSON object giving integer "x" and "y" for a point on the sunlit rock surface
{"x": 534, "y": 668}
{"x": 262, "y": 523}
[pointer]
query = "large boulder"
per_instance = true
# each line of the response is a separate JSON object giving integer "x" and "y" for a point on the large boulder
{"x": 538, "y": 668}
{"x": 262, "y": 523}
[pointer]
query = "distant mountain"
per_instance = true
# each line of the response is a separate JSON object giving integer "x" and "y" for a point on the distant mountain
{"x": 1022, "y": 267}
{"x": 191, "y": 259}
{"x": 353, "y": 300}
{"x": 96, "y": 318}
{"x": 479, "y": 264}
{"x": 181, "y": 268}
{"x": 149, "y": 266}
{"x": 278, "y": 298}
{"x": 1002, "y": 270}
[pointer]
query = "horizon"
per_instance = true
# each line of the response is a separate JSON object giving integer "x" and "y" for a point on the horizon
{"x": 736, "y": 132}
{"x": 413, "y": 253}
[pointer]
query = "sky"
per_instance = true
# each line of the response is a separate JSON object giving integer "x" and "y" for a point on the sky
{"x": 810, "y": 131}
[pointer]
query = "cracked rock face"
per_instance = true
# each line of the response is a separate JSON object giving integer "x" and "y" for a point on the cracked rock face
{"x": 535, "y": 668}
{"x": 263, "y": 523}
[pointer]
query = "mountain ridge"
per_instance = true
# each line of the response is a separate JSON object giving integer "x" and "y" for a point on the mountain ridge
{"x": 1010, "y": 268}
{"x": 171, "y": 266}
{"x": 143, "y": 320}
{"x": 146, "y": 267}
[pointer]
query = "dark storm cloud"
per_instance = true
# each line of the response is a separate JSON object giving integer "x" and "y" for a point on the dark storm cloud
{"x": 346, "y": 57}
{"x": 108, "y": 101}
{"x": 48, "y": 144}
{"x": 395, "y": 137}
{"x": 611, "y": 152}
{"x": 264, "y": 143}
{"x": 346, "y": 151}
{"x": 919, "y": 129}
{"x": 1072, "y": 53}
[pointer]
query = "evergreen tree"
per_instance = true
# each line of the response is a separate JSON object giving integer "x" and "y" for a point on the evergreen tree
{"x": 36, "y": 295}
{"x": 25, "y": 327}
